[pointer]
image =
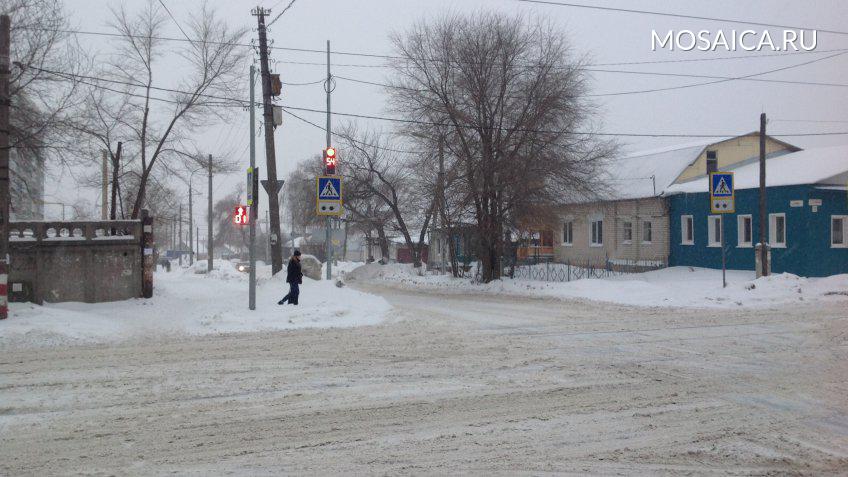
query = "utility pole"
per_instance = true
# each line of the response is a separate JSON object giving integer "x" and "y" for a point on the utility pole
{"x": 5, "y": 198}
{"x": 272, "y": 185}
{"x": 116, "y": 161}
{"x": 209, "y": 247}
{"x": 190, "y": 226}
{"x": 254, "y": 210}
{"x": 328, "y": 233}
{"x": 764, "y": 265}
{"x": 181, "y": 234}
{"x": 104, "y": 186}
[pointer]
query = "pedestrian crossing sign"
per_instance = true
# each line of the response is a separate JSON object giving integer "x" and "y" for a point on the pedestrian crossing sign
{"x": 722, "y": 197}
{"x": 328, "y": 195}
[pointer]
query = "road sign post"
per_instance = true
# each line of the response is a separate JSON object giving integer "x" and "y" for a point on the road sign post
{"x": 722, "y": 201}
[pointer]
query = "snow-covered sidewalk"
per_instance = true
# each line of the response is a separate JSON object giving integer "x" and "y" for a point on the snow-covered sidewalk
{"x": 669, "y": 287}
{"x": 186, "y": 303}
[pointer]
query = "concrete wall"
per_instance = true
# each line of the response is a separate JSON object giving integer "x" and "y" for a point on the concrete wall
{"x": 808, "y": 251}
{"x": 614, "y": 214}
{"x": 75, "y": 261}
{"x": 733, "y": 151}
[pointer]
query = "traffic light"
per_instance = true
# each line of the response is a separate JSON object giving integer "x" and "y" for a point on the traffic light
{"x": 330, "y": 161}
{"x": 241, "y": 215}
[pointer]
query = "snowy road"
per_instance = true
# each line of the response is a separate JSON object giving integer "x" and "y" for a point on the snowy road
{"x": 454, "y": 383}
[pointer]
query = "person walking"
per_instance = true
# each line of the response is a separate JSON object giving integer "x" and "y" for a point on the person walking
{"x": 294, "y": 277}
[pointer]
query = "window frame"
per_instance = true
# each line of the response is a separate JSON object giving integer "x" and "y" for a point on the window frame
{"x": 599, "y": 230}
{"x": 649, "y": 229}
{"x": 773, "y": 230}
{"x": 740, "y": 231}
{"x": 685, "y": 221}
{"x": 627, "y": 226}
{"x": 844, "y": 219}
{"x": 711, "y": 230}
{"x": 569, "y": 222}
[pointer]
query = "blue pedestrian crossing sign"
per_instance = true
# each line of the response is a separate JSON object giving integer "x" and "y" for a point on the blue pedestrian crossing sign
{"x": 328, "y": 195}
{"x": 722, "y": 196}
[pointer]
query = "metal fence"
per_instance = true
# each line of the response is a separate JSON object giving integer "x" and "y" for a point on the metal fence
{"x": 566, "y": 272}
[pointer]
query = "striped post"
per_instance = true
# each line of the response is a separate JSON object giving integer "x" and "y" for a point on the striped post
{"x": 4, "y": 291}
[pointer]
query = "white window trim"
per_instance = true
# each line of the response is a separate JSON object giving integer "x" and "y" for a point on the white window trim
{"x": 773, "y": 230}
{"x": 711, "y": 230}
{"x": 844, "y": 243}
{"x": 683, "y": 219}
{"x": 591, "y": 227}
{"x": 642, "y": 230}
{"x": 740, "y": 231}
{"x": 623, "y": 228}
{"x": 571, "y": 243}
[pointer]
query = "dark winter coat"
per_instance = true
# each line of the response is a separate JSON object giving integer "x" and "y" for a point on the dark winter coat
{"x": 293, "y": 272}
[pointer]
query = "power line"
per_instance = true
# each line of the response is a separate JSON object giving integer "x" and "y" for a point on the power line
{"x": 281, "y": 13}
{"x": 679, "y": 15}
{"x": 226, "y": 101}
{"x": 394, "y": 57}
{"x": 718, "y": 79}
{"x": 161, "y": 2}
{"x": 807, "y": 120}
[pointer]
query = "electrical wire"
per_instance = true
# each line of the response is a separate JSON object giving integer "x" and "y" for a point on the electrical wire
{"x": 678, "y": 15}
{"x": 225, "y": 101}
{"x": 161, "y": 2}
{"x": 281, "y": 13}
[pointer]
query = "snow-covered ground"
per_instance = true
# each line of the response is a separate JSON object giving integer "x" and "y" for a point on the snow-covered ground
{"x": 669, "y": 287}
{"x": 188, "y": 303}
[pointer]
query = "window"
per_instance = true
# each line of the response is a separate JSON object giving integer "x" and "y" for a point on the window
{"x": 838, "y": 231}
{"x": 777, "y": 230}
{"x": 568, "y": 232}
{"x": 628, "y": 231}
{"x": 743, "y": 230}
{"x": 647, "y": 233}
{"x": 598, "y": 233}
{"x": 687, "y": 230}
{"x": 714, "y": 231}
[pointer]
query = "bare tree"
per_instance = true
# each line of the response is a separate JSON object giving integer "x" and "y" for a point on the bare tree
{"x": 510, "y": 103}
{"x": 139, "y": 113}
{"x": 39, "y": 42}
{"x": 373, "y": 168}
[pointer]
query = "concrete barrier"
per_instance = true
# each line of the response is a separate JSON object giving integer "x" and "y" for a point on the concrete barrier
{"x": 87, "y": 261}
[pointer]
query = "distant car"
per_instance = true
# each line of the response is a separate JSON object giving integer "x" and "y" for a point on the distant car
{"x": 243, "y": 267}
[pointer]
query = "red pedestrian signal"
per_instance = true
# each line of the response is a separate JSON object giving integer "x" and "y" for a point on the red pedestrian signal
{"x": 330, "y": 161}
{"x": 241, "y": 215}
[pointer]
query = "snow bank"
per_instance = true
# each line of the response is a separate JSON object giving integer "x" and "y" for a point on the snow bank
{"x": 391, "y": 271}
{"x": 669, "y": 287}
{"x": 186, "y": 303}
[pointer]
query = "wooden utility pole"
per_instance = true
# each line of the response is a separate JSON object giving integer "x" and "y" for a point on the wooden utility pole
{"x": 181, "y": 234}
{"x": 190, "y": 225}
{"x": 104, "y": 186}
{"x": 5, "y": 196}
{"x": 272, "y": 185}
{"x": 209, "y": 247}
{"x": 763, "y": 217}
{"x": 116, "y": 163}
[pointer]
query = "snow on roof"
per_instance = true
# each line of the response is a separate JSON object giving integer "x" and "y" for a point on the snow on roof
{"x": 826, "y": 165}
{"x": 630, "y": 177}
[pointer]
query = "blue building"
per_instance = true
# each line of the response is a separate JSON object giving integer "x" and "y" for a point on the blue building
{"x": 807, "y": 210}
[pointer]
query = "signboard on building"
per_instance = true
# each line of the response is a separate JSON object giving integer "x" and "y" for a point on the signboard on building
{"x": 722, "y": 197}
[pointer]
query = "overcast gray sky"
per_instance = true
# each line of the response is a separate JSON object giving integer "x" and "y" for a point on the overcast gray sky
{"x": 605, "y": 36}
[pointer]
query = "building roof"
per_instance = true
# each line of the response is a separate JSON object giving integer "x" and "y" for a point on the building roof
{"x": 649, "y": 173}
{"x": 824, "y": 166}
